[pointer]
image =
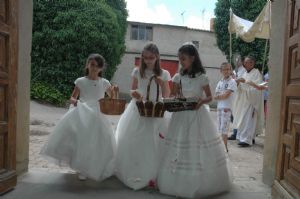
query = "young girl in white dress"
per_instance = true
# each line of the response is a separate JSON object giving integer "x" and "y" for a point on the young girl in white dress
{"x": 84, "y": 139}
{"x": 194, "y": 163}
{"x": 137, "y": 156}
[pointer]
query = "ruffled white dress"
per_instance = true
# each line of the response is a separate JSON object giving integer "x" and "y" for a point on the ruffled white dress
{"x": 138, "y": 139}
{"x": 84, "y": 139}
{"x": 194, "y": 163}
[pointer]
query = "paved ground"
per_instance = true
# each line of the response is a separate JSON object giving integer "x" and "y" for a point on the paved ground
{"x": 46, "y": 180}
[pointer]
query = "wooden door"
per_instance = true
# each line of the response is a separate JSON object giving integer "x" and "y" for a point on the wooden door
{"x": 288, "y": 164}
{"x": 8, "y": 80}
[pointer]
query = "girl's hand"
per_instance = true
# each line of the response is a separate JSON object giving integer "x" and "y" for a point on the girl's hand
{"x": 74, "y": 96}
{"x": 135, "y": 94}
{"x": 200, "y": 103}
{"x": 159, "y": 81}
{"x": 73, "y": 101}
{"x": 113, "y": 91}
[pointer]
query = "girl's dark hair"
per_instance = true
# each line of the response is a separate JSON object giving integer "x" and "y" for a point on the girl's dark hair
{"x": 100, "y": 63}
{"x": 151, "y": 47}
{"x": 196, "y": 67}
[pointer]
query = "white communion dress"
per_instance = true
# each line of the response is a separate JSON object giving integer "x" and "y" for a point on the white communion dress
{"x": 194, "y": 163}
{"x": 83, "y": 138}
{"x": 138, "y": 139}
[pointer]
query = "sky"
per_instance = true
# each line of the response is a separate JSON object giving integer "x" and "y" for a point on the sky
{"x": 191, "y": 13}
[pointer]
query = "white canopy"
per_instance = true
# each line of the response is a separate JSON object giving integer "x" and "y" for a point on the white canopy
{"x": 248, "y": 30}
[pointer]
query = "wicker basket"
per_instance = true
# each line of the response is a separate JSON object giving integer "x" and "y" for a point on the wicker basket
{"x": 180, "y": 103}
{"x": 112, "y": 105}
{"x": 149, "y": 108}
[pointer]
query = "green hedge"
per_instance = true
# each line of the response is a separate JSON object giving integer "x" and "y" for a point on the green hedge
{"x": 65, "y": 32}
{"x": 42, "y": 92}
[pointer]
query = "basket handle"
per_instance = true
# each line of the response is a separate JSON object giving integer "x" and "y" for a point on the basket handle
{"x": 148, "y": 88}
{"x": 180, "y": 94}
{"x": 115, "y": 92}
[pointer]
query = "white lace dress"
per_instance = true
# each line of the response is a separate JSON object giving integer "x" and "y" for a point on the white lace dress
{"x": 194, "y": 163}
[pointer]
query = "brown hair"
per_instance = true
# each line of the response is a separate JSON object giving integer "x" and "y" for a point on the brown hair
{"x": 196, "y": 67}
{"x": 151, "y": 47}
{"x": 100, "y": 63}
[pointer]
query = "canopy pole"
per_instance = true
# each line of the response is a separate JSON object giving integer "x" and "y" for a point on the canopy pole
{"x": 267, "y": 40}
{"x": 230, "y": 48}
{"x": 265, "y": 56}
{"x": 230, "y": 37}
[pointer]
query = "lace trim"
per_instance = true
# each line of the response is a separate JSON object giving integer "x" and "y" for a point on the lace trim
{"x": 176, "y": 165}
{"x": 193, "y": 144}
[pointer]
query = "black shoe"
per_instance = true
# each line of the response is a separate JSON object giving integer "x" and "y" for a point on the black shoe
{"x": 232, "y": 137}
{"x": 253, "y": 141}
{"x": 243, "y": 144}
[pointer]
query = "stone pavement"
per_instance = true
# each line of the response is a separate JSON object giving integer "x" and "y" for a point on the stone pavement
{"x": 47, "y": 180}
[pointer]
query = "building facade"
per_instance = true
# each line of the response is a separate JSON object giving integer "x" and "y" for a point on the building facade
{"x": 168, "y": 39}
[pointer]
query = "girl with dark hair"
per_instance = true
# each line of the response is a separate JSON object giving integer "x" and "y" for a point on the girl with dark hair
{"x": 195, "y": 67}
{"x": 83, "y": 139}
{"x": 194, "y": 163}
{"x": 138, "y": 137}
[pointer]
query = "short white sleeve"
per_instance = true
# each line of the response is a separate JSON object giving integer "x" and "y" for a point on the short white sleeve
{"x": 135, "y": 72}
{"x": 78, "y": 83}
{"x": 165, "y": 76}
{"x": 106, "y": 84}
{"x": 176, "y": 78}
{"x": 232, "y": 85}
{"x": 205, "y": 80}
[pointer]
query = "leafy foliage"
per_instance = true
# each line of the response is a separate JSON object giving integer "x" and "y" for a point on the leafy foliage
{"x": 42, "y": 92}
{"x": 247, "y": 9}
{"x": 65, "y": 32}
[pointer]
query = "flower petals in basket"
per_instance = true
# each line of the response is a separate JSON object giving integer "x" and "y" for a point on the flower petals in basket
{"x": 180, "y": 103}
{"x": 112, "y": 105}
{"x": 149, "y": 108}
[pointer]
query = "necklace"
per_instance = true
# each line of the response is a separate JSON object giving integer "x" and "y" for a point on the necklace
{"x": 93, "y": 81}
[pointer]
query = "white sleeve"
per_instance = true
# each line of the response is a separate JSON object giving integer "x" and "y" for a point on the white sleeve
{"x": 205, "y": 80}
{"x": 232, "y": 86}
{"x": 166, "y": 76}
{"x": 135, "y": 72}
{"x": 77, "y": 83}
{"x": 176, "y": 78}
{"x": 106, "y": 84}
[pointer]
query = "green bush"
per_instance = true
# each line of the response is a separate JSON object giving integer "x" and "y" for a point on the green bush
{"x": 65, "y": 32}
{"x": 247, "y": 9}
{"x": 42, "y": 92}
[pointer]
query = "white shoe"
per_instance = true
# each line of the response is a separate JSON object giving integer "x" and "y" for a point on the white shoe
{"x": 81, "y": 177}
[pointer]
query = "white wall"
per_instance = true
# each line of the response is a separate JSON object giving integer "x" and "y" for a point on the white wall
{"x": 169, "y": 39}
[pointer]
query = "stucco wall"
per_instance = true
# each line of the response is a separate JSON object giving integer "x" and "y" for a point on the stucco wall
{"x": 168, "y": 40}
{"x": 23, "y": 103}
{"x": 275, "y": 86}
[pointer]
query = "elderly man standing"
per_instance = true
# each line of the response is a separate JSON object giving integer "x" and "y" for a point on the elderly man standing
{"x": 248, "y": 110}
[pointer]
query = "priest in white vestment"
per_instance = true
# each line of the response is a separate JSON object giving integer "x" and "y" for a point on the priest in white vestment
{"x": 248, "y": 109}
{"x": 238, "y": 73}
